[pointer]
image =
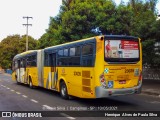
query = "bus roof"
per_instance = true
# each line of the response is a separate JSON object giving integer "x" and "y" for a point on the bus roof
{"x": 73, "y": 42}
{"x": 92, "y": 38}
{"x": 76, "y": 42}
{"x": 24, "y": 53}
{"x": 119, "y": 37}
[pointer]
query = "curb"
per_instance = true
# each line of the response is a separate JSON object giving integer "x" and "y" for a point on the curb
{"x": 148, "y": 92}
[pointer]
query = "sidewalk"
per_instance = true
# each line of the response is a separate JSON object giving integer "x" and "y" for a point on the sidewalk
{"x": 151, "y": 87}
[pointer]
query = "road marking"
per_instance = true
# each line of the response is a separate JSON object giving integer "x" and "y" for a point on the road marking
{"x": 12, "y": 90}
{"x": 155, "y": 102}
{"x": 8, "y": 88}
{"x": 18, "y": 93}
{"x": 46, "y": 107}
{"x": 2, "y": 85}
{"x": 24, "y": 96}
{"x": 35, "y": 101}
{"x": 67, "y": 116}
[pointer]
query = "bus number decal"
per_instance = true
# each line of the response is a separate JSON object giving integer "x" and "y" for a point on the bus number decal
{"x": 77, "y": 73}
{"x": 129, "y": 70}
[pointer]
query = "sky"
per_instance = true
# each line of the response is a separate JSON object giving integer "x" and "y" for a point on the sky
{"x": 13, "y": 11}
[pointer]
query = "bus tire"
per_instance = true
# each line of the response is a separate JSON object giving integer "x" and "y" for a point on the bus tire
{"x": 63, "y": 90}
{"x": 30, "y": 83}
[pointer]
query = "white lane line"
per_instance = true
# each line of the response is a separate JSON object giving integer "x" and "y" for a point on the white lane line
{"x": 67, "y": 116}
{"x": 155, "y": 102}
{"x": 2, "y": 85}
{"x": 8, "y": 88}
{"x": 46, "y": 107}
{"x": 35, "y": 101}
{"x": 24, "y": 96}
{"x": 18, "y": 93}
{"x": 12, "y": 90}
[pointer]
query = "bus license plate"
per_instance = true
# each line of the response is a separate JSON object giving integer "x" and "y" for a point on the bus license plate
{"x": 122, "y": 82}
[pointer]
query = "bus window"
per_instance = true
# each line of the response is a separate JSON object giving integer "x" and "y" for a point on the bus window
{"x": 65, "y": 52}
{"x": 87, "y": 49}
{"x": 74, "y": 56}
{"x": 60, "y": 53}
{"x": 121, "y": 50}
{"x": 16, "y": 64}
{"x": 32, "y": 61}
{"x": 46, "y": 60}
{"x": 72, "y": 52}
{"x": 87, "y": 55}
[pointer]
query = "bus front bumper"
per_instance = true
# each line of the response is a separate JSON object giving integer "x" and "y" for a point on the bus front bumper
{"x": 103, "y": 92}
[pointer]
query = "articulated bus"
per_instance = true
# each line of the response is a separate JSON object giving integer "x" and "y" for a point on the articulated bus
{"x": 95, "y": 67}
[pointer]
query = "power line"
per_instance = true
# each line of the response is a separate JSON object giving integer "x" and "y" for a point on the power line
{"x": 26, "y": 17}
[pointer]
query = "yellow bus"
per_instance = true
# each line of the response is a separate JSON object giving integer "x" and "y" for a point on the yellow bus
{"x": 96, "y": 67}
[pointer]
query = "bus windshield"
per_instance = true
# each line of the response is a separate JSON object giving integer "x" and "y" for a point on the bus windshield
{"x": 121, "y": 50}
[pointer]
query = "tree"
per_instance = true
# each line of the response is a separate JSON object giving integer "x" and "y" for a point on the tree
{"x": 144, "y": 25}
{"x": 43, "y": 41}
{"x": 80, "y": 19}
{"x": 12, "y": 45}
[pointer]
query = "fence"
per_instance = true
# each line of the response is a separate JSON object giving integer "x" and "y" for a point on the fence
{"x": 151, "y": 74}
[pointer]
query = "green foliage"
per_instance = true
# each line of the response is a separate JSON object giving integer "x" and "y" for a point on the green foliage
{"x": 13, "y": 45}
{"x": 146, "y": 26}
{"x": 77, "y": 18}
{"x": 148, "y": 50}
{"x": 43, "y": 41}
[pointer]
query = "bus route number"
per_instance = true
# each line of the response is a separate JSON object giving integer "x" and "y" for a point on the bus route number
{"x": 129, "y": 70}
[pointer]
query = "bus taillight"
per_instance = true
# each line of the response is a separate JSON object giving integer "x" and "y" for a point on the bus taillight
{"x": 140, "y": 78}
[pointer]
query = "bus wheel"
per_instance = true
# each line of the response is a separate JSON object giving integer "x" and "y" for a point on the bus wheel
{"x": 63, "y": 90}
{"x": 30, "y": 83}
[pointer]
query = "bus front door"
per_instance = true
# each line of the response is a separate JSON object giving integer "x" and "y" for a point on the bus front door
{"x": 53, "y": 70}
{"x": 18, "y": 71}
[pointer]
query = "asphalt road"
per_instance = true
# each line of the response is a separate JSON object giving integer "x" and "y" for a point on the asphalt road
{"x": 21, "y": 98}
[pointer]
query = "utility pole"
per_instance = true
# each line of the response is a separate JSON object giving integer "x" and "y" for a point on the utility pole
{"x": 27, "y": 30}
